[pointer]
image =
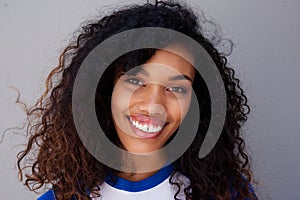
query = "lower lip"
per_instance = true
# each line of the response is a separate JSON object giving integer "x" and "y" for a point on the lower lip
{"x": 143, "y": 134}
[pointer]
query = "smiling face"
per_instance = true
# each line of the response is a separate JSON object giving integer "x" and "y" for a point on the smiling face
{"x": 149, "y": 102}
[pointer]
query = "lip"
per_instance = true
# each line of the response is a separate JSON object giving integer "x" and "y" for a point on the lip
{"x": 146, "y": 120}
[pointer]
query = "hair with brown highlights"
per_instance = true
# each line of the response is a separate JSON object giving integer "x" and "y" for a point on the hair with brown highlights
{"x": 57, "y": 153}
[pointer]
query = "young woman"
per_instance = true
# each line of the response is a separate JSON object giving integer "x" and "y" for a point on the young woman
{"x": 141, "y": 101}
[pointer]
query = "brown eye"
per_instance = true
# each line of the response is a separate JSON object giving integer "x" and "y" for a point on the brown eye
{"x": 178, "y": 89}
{"x": 134, "y": 81}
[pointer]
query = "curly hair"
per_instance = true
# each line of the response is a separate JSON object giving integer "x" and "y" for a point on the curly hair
{"x": 55, "y": 154}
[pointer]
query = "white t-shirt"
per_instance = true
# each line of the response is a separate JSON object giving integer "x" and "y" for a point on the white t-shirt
{"x": 155, "y": 187}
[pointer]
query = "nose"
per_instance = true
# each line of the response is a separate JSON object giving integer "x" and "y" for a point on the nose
{"x": 152, "y": 99}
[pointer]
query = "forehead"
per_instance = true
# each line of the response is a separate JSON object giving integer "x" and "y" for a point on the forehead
{"x": 173, "y": 63}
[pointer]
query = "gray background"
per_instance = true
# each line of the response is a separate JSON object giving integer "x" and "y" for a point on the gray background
{"x": 266, "y": 56}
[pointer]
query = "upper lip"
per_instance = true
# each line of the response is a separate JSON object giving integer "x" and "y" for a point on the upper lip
{"x": 153, "y": 120}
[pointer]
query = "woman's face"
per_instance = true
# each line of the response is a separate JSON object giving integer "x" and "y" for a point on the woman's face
{"x": 149, "y": 102}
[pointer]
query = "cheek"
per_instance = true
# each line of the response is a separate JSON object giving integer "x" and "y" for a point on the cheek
{"x": 119, "y": 101}
{"x": 179, "y": 108}
{"x": 185, "y": 106}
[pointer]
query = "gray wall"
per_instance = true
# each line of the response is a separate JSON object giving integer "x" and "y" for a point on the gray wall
{"x": 266, "y": 57}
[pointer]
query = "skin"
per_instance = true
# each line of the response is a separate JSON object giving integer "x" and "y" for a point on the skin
{"x": 158, "y": 93}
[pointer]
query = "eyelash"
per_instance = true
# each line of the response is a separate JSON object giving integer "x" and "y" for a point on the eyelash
{"x": 182, "y": 90}
{"x": 134, "y": 81}
{"x": 175, "y": 89}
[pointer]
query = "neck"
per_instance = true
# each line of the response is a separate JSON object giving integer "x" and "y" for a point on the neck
{"x": 136, "y": 176}
{"x": 144, "y": 167}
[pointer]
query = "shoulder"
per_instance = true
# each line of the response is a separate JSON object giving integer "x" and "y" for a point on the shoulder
{"x": 49, "y": 195}
{"x": 235, "y": 194}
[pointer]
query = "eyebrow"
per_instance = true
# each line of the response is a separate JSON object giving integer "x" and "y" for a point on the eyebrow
{"x": 180, "y": 77}
{"x": 173, "y": 78}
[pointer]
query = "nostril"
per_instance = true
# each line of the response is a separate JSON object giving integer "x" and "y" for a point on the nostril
{"x": 157, "y": 109}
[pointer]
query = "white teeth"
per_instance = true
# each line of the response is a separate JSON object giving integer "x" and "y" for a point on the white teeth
{"x": 145, "y": 127}
{"x": 151, "y": 129}
{"x": 139, "y": 126}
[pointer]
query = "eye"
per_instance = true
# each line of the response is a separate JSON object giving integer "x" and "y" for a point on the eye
{"x": 178, "y": 89}
{"x": 134, "y": 81}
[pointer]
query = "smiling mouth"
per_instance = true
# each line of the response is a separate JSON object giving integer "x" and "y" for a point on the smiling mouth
{"x": 148, "y": 128}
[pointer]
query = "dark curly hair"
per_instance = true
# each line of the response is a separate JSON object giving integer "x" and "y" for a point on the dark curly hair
{"x": 55, "y": 154}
